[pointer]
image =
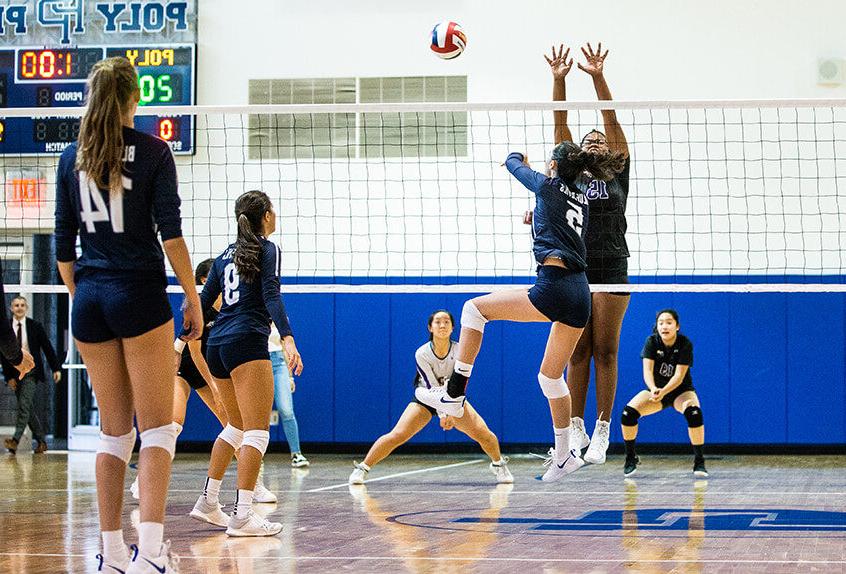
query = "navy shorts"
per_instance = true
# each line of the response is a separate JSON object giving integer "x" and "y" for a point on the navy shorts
{"x": 225, "y": 358}
{"x": 190, "y": 373}
{"x": 117, "y": 305}
{"x": 562, "y": 295}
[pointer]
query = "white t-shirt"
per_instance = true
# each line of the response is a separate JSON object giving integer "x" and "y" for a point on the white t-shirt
{"x": 433, "y": 371}
{"x": 274, "y": 342}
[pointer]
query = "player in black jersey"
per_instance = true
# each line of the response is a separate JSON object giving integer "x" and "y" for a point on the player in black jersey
{"x": 607, "y": 258}
{"x": 560, "y": 295}
{"x": 246, "y": 274}
{"x": 667, "y": 359}
{"x": 116, "y": 188}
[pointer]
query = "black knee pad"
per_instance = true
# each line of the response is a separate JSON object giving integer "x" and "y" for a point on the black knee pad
{"x": 693, "y": 415}
{"x": 629, "y": 417}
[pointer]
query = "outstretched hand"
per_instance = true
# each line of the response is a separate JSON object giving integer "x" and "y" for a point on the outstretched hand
{"x": 558, "y": 63}
{"x": 594, "y": 61}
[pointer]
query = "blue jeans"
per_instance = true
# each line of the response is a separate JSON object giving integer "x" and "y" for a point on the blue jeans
{"x": 284, "y": 400}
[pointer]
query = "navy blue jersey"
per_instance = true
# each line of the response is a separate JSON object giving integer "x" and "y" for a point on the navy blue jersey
{"x": 118, "y": 230}
{"x": 9, "y": 346}
{"x": 606, "y": 231}
{"x": 247, "y": 307}
{"x": 560, "y": 217}
{"x": 668, "y": 358}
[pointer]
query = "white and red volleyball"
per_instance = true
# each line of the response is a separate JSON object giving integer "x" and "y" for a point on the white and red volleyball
{"x": 448, "y": 40}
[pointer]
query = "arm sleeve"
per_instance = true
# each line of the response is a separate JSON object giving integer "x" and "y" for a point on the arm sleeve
{"x": 424, "y": 369}
{"x": 211, "y": 290}
{"x": 8, "y": 342}
{"x": 686, "y": 353}
{"x": 531, "y": 179}
{"x": 648, "y": 351}
{"x": 166, "y": 201}
{"x": 47, "y": 348}
{"x": 271, "y": 267}
{"x": 67, "y": 226}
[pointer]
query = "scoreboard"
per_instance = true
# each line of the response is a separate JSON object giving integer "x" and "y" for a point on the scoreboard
{"x": 37, "y": 77}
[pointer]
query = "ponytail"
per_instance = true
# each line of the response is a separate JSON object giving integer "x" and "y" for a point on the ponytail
{"x": 112, "y": 88}
{"x": 250, "y": 208}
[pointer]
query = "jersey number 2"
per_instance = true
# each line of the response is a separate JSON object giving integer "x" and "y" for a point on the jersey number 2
{"x": 231, "y": 281}
{"x": 88, "y": 192}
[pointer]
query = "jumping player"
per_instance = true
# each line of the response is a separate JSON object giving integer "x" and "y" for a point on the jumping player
{"x": 607, "y": 257}
{"x": 435, "y": 361}
{"x": 116, "y": 187}
{"x": 246, "y": 274}
{"x": 667, "y": 358}
{"x": 560, "y": 294}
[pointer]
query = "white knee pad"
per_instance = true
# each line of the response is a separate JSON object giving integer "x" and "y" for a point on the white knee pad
{"x": 472, "y": 318}
{"x": 119, "y": 446}
{"x": 553, "y": 388}
{"x": 258, "y": 439}
{"x": 232, "y": 435}
{"x": 161, "y": 437}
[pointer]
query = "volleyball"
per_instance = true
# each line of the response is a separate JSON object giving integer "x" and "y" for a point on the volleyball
{"x": 448, "y": 40}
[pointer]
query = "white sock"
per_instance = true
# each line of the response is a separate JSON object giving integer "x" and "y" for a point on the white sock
{"x": 562, "y": 442}
{"x": 499, "y": 462}
{"x": 465, "y": 369}
{"x": 113, "y": 544}
{"x": 243, "y": 503}
{"x": 364, "y": 466}
{"x": 150, "y": 536}
{"x": 212, "y": 490}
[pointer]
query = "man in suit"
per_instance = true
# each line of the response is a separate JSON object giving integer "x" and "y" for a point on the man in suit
{"x": 33, "y": 339}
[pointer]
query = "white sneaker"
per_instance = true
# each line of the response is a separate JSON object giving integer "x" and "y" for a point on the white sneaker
{"x": 501, "y": 472}
{"x": 209, "y": 512}
{"x": 578, "y": 437}
{"x": 262, "y": 495}
{"x": 252, "y": 525}
{"x": 134, "y": 489}
{"x": 438, "y": 399}
{"x": 298, "y": 460}
{"x": 557, "y": 471}
{"x": 164, "y": 563}
{"x": 115, "y": 564}
{"x": 598, "y": 443}
{"x": 359, "y": 474}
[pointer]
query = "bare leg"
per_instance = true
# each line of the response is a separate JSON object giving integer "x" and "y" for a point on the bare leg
{"x": 253, "y": 383}
{"x": 181, "y": 392}
{"x": 474, "y": 426}
{"x": 222, "y": 451}
{"x": 559, "y": 347}
{"x": 607, "y": 321}
{"x": 411, "y": 422}
{"x": 682, "y": 402}
{"x": 578, "y": 370}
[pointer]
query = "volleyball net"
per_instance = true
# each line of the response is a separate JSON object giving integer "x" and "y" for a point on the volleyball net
{"x": 723, "y": 196}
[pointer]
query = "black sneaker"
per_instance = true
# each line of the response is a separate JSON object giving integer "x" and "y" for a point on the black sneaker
{"x": 699, "y": 468}
{"x": 631, "y": 465}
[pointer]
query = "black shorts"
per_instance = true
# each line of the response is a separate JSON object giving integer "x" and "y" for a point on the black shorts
{"x": 562, "y": 295}
{"x": 188, "y": 370}
{"x": 432, "y": 411}
{"x": 670, "y": 398}
{"x": 607, "y": 270}
{"x": 225, "y": 358}
{"x": 117, "y": 305}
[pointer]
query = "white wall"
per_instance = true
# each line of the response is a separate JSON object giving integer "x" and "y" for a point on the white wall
{"x": 660, "y": 49}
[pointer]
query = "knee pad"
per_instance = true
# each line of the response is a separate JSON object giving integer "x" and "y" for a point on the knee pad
{"x": 161, "y": 437}
{"x": 232, "y": 435}
{"x": 119, "y": 446}
{"x": 693, "y": 414}
{"x": 472, "y": 318}
{"x": 629, "y": 417}
{"x": 258, "y": 439}
{"x": 553, "y": 388}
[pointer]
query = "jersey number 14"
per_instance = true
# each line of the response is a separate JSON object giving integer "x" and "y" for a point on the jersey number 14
{"x": 89, "y": 192}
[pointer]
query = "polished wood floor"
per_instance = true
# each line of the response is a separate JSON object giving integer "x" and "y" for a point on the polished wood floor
{"x": 444, "y": 514}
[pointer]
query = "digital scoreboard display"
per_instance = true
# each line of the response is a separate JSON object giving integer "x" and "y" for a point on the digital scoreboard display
{"x": 46, "y": 78}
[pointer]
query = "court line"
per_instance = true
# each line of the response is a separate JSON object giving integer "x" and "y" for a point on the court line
{"x": 469, "y": 558}
{"x": 407, "y": 473}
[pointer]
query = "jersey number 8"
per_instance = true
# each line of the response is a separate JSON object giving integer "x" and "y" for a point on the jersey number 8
{"x": 88, "y": 192}
{"x": 231, "y": 281}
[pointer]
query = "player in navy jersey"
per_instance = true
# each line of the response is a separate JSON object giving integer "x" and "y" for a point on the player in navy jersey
{"x": 607, "y": 257}
{"x": 9, "y": 346}
{"x": 116, "y": 188}
{"x": 667, "y": 358}
{"x": 560, "y": 294}
{"x": 246, "y": 274}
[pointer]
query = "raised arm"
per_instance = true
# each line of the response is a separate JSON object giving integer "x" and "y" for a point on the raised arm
{"x": 518, "y": 165}
{"x": 560, "y": 67}
{"x": 594, "y": 65}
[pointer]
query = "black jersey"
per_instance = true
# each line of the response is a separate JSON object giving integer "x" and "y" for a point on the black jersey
{"x": 560, "y": 216}
{"x": 247, "y": 308}
{"x": 606, "y": 230}
{"x": 118, "y": 231}
{"x": 209, "y": 317}
{"x": 9, "y": 346}
{"x": 668, "y": 358}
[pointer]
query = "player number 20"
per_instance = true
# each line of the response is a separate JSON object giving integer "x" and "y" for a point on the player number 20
{"x": 89, "y": 192}
{"x": 230, "y": 284}
{"x": 575, "y": 217}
